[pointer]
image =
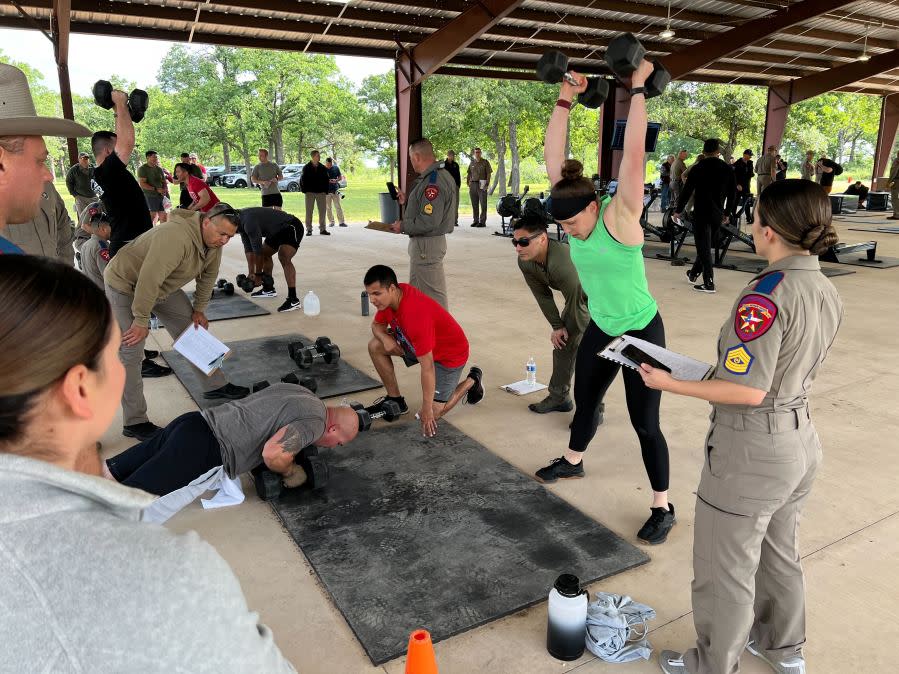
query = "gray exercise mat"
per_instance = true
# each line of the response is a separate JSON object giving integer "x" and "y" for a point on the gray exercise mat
{"x": 652, "y": 250}
{"x": 438, "y": 533}
{"x": 253, "y": 360}
{"x": 877, "y": 230}
{"x": 223, "y": 307}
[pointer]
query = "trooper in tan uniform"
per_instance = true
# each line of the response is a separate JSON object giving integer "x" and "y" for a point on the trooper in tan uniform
{"x": 762, "y": 451}
{"x": 431, "y": 209}
{"x": 478, "y": 179}
{"x": 766, "y": 168}
{"x": 147, "y": 275}
{"x": 49, "y": 233}
{"x": 894, "y": 187}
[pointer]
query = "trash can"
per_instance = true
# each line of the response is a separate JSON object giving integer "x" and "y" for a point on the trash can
{"x": 390, "y": 208}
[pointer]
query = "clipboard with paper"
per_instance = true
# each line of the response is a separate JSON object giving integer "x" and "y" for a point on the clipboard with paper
{"x": 202, "y": 349}
{"x": 681, "y": 367}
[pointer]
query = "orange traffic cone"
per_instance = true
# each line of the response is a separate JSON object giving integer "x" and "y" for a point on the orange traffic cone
{"x": 420, "y": 657}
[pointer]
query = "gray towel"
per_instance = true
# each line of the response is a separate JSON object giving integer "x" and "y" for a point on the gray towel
{"x": 616, "y": 628}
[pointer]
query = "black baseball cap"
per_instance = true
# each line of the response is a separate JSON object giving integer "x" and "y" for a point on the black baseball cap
{"x": 748, "y": 151}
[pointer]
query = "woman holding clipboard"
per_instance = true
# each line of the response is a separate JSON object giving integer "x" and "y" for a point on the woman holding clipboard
{"x": 606, "y": 242}
{"x": 762, "y": 451}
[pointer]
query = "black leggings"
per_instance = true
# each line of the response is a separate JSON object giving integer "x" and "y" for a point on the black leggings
{"x": 592, "y": 377}
{"x": 173, "y": 458}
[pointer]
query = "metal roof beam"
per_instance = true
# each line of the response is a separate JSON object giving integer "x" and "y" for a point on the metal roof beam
{"x": 842, "y": 76}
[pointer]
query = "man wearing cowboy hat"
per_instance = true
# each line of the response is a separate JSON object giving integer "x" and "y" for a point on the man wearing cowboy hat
{"x": 23, "y": 154}
{"x": 122, "y": 196}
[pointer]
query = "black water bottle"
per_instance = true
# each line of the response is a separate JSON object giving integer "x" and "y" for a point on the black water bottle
{"x": 364, "y": 303}
{"x": 566, "y": 621}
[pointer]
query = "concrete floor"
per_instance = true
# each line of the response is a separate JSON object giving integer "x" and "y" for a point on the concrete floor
{"x": 850, "y": 532}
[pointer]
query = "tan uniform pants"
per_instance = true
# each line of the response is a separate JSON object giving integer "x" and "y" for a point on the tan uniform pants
{"x": 80, "y": 204}
{"x": 426, "y": 255}
{"x": 176, "y": 313}
{"x": 763, "y": 182}
{"x": 748, "y": 580}
{"x": 478, "y": 202}
{"x": 334, "y": 199}
{"x": 315, "y": 199}
{"x": 894, "y": 197}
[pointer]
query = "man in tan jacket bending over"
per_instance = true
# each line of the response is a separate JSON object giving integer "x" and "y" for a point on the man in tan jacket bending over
{"x": 147, "y": 276}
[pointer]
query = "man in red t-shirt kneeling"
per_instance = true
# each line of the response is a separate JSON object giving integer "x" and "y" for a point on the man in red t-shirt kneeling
{"x": 412, "y": 326}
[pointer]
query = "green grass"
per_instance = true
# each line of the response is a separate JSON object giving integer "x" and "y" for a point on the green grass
{"x": 360, "y": 204}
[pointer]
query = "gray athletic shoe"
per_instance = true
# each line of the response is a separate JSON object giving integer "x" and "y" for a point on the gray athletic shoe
{"x": 793, "y": 665}
{"x": 672, "y": 662}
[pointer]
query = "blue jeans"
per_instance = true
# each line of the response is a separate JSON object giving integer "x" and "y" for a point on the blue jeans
{"x": 666, "y": 196}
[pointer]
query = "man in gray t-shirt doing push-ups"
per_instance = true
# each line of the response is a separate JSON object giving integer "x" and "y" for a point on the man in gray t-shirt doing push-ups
{"x": 269, "y": 427}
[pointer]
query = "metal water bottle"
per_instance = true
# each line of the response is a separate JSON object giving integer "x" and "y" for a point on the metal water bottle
{"x": 364, "y": 303}
{"x": 566, "y": 625}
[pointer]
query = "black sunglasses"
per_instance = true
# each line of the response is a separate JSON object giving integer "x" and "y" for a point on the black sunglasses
{"x": 524, "y": 242}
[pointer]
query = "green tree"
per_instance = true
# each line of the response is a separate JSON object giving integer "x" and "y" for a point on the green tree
{"x": 377, "y": 129}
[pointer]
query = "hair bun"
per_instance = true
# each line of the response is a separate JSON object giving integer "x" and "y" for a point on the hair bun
{"x": 818, "y": 239}
{"x": 572, "y": 169}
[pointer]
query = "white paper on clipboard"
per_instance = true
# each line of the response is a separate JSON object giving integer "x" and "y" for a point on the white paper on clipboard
{"x": 202, "y": 349}
{"x": 682, "y": 367}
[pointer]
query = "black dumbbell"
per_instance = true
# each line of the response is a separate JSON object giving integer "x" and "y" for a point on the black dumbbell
{"x": 228, "y": 289}
{"x": 259, "y": 385}
{"x": 245, "y": 283}
{"x": 624, "y": 55}
{"x": 552, "y": 68}
{"x": 310, "y": 383}
{"x": 390, "y": 410}
{"x": 220, "y": 283}
{"x": 304, "y": 355}
{"x": 138, "y": 100}
{"x": 269, "y": 485}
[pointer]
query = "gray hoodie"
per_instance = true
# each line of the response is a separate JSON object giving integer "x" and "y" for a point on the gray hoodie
{"x": 86, "y": 587}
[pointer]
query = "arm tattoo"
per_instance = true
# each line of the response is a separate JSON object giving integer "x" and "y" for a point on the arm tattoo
{"x": 291, "y": 442}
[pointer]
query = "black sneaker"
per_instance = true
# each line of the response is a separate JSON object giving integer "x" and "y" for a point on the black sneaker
{"x": 658, "y": 525}
{"x": 290, "y": 304}
{"x": 474, "y": 224}
{"x": 560, "y": 468}
{"x": 151, "y": 370}
{"x": 264, "y": 293}
{"x": 705, "y": 288}
{"x": 377, "y": 405}
{"x": 692, "y": 276}
{"x": 227, "y": 392}
{"x": 143, "y": 431}
{"x": 149, "y": 354}
{"x": 308, "y": 232}
{"x": 475, "y": 393}
{"x": 331, "y": 225}
{"x": 325, "y": 232}
{"x": 342, "y": 224}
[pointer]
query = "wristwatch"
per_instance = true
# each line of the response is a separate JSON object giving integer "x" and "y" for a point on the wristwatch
{"x": 638, "y": 90}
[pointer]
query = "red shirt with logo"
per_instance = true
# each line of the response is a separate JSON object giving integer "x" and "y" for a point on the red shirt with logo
{"x": 426, "y": 327}
{"x": 195, "y": 186}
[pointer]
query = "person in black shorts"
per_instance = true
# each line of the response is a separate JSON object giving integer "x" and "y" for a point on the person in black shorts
{"x": 283, "y": 233}
{"x": 122, "y": 197}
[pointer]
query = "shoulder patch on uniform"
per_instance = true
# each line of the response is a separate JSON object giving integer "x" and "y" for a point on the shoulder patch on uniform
{"x": 104, "y": 253}
{"x": 769, "y": 282}
{"x": 431, "y": 192}
{"x": 754, "y": 317}
{"x": 738, "y": 360}
{"x": 428, "y": 209}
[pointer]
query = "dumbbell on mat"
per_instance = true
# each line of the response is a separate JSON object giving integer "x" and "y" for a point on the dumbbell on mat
{"x": 624, "y": 55}
{"x": 304, "y": 355}
{"x": 138, "y": 99}
{"x": 552, "y": 68}
{"x": 390, "y": 411}
{"x": 269, "y": 485}
{"x": 310, "y": 383}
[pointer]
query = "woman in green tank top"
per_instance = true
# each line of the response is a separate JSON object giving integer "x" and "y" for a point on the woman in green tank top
{"x": 606, "y": 242}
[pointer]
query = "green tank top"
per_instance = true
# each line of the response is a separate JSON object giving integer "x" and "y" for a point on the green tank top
{"x": 614, "y": 277}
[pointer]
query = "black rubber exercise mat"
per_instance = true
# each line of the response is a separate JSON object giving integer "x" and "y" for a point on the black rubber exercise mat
{"x": 253, "y": 360}
{"x": 438, "y": 533}
{"x": 224, "y": 307}
{"x": 876, "y": 230}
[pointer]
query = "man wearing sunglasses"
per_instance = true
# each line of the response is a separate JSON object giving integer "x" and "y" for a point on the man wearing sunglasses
{"x": 546, "y": 266}
{"x": 147, "y": 275}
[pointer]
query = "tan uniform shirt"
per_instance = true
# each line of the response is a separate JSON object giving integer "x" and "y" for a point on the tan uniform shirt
{"x": 479, "y": 170}
{"x": 94, "y": 258}
{"x": 764, "y": 167}
{"x": 559, "y": 274}
{"x": 678, "y": 168}
{"x": 808, "y": 170}
{"x": 49, "y": 233}
{"x": 894, "y": 169}
{"x": 778, "y": 334}
{"x": 163, "y": 260}
{"x": 432, "y": 203}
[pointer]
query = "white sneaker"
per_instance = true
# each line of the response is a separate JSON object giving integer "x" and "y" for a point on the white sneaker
{"x": 792, "y": 665}
{"x": 672, "y": 662}
{"x": 264, "y": 293}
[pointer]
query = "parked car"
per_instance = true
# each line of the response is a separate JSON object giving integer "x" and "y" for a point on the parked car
{"x": 240, "y": 179}
{"x": 214, "y": 175}
{"x": 291, "y": 167}
{"x": 291, "y": 180}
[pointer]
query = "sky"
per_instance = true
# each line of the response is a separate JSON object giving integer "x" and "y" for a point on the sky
{"x": 137, "y": 60}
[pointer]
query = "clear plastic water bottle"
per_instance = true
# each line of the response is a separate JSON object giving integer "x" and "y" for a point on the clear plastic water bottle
{"x": 311, "y": 305}
{"x": 531, "y": 369}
